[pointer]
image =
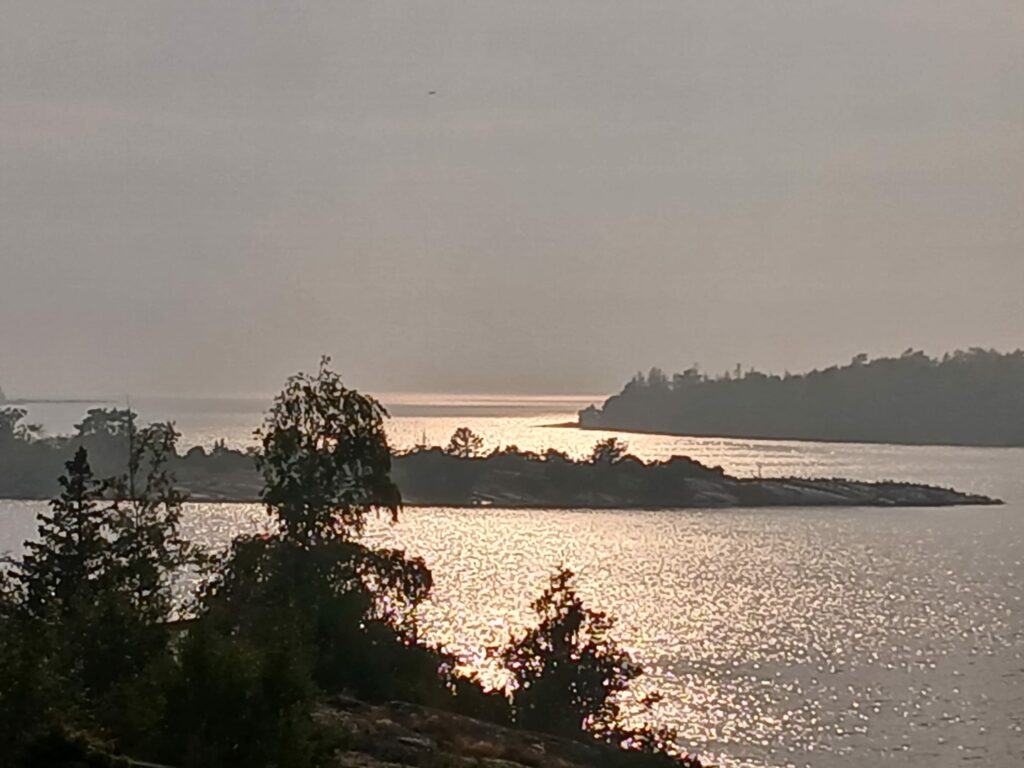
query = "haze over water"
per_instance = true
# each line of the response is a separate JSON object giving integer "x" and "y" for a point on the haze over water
{"x": 805, "y": 637}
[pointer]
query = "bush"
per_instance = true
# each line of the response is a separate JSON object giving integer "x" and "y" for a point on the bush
{"x": 233, "y": 703}
{"x": 568, "y": 672}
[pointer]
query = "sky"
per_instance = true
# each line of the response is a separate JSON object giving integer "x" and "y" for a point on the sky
{"x": 202, "y": 197}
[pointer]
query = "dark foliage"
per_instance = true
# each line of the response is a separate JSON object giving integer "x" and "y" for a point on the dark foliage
{"x": 465, "y": 443}
{"x": 98, "y": 661}
{"x": 86, "y": 610}
{"x": 608, "y": 451}
{"x": 235, "y": 700}
{"x": 965, "y": 398}
{"x": 567, "y": 670}
{"x": 325, "y": 460}
{"x": 341, "y": 612}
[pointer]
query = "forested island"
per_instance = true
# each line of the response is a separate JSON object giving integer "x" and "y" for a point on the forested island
{"x": 459, "y": 475}
{"x": 971, "y": 398}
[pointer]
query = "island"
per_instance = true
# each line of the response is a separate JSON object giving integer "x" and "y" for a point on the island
{"x": 514, "y": 479}
{"x": 973, "y": 397}
{"x": 434, "y": 477}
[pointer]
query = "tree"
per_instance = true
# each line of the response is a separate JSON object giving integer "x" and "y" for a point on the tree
{"x": 13, "y": 430}
{"x": 65, "y": 566}
{"x": 608, "y": 451}
{"x": 325, "y": 458}
{"x": 27, "y": 690}
{"x": 87, "y": 607}
{"x": 656, "y": 379}
{"x": 567, "y": 670}
{"x": 106, "y": 422}
{"x": 465, "y": 443}
{"x": 148, "y": 546}
{"x": 347, "y": 607}
{"x": 62, "y": 599}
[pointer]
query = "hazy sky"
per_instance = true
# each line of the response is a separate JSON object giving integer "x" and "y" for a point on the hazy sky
{"x": 201, "y": 197}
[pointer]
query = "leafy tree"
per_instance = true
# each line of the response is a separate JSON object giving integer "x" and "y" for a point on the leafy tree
{"x": 346, "y": 607}
{"x": 465, "y": 443}
{"x": 148, "y": 546}
{"x": 608, "y": 451}
{"x": 106, "y": 422}
{"x": 12, "y": 428}
{"x": 567, "y": 670}
{"x": 325, "y": 459}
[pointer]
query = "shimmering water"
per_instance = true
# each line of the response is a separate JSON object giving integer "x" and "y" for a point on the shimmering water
{"x": 811, "y": 637}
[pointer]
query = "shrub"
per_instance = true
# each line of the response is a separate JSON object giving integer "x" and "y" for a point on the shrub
{"x": 567, "y": 670}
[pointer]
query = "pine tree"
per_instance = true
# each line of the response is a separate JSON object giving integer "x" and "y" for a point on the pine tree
{"x": 68, "y": 562}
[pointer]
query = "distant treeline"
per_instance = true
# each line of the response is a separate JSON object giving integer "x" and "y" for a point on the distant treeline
{"x": 973, "y": 397}
{"x": 462, "y": 474}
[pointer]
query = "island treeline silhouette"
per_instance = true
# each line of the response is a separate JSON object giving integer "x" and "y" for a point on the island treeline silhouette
{"x": 462, "y": 474}
{"x": 973, "y": 397}
{"x": 298, "y": 641}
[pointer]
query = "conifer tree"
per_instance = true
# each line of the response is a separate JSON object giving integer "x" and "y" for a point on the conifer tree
{"x": 69, "y": 561}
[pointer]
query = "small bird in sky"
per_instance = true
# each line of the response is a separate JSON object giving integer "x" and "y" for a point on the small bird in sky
{"x": 431, "y": 93}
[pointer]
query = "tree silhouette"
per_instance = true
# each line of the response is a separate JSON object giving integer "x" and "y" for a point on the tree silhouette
{"x": 146, "y": 522}
{"x": 325, "y": 459}
{"x": 567, "y": 670}
{"x": 106, "y": 422}
{"x": 69, "y": 560}
{"x": 970, "y": 397}
{"x": 608, "y": 451}
{"x": 12, "y": 428}
{"x": 465, "y": 443}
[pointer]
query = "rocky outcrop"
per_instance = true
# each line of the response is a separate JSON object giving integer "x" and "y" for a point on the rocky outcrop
{"x": 526, "y": 480}
{"x": 401, "y": 734}
{"x": 354, "y": 734}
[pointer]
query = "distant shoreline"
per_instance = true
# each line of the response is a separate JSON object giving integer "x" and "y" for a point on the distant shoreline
{"x": 774, "y": 438}
{"x": 966, "y": 398}
{"x": 54, "y": 401}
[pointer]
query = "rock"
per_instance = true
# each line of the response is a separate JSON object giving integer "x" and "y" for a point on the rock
{"x": 419, "y": 742}
{"x": 396, "y": 735}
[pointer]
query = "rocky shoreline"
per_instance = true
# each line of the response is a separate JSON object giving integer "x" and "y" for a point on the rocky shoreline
{"x": 432, "y": 477}
{"x": 352, "y": 733}
{"x": 522, "y": 480}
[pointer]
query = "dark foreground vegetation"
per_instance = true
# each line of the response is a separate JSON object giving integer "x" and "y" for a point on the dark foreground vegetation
{"x": 459, "y": 475}
{"x": 965, "y": 398}
{"x": 301, "y": 642}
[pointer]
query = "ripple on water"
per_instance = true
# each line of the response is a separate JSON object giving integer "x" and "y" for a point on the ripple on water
{"x": 784, "y": 637}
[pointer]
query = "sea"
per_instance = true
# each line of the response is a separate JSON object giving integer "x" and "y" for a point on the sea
{"x": 775, "y": 637}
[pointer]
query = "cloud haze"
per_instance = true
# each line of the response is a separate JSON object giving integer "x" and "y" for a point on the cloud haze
{"x": 201, "y": 197}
